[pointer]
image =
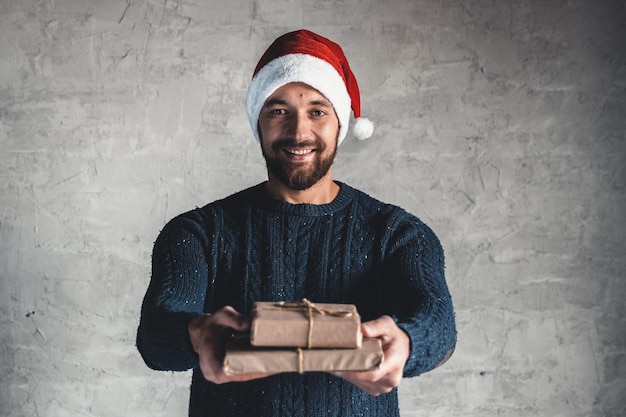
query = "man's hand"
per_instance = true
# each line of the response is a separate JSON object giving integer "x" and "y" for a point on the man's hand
{"x": 208, "y": 334}
{"x": 396, "y": 346}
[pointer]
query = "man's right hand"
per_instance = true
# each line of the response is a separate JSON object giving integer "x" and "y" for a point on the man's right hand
{"x": 208, "y": 334}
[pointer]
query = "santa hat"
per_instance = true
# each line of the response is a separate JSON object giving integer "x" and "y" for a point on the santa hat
{"x": 306, "y": 57}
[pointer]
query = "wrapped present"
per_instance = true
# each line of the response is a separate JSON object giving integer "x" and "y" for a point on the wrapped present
{"x": 241, "y": 357}
{"x": 304, "y": 324}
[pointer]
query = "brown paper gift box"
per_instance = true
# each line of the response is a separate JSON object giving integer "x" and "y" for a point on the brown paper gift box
{"x": 304, "y": 324}
{"x": 241, "y": 357}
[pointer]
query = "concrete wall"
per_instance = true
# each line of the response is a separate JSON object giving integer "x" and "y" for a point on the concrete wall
{"x": 501, "y": 124}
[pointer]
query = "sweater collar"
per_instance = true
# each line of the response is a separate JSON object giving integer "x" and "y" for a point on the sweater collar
{"x": 344, "y": 196}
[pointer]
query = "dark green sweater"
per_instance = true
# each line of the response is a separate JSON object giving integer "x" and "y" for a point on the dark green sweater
{"x": 249, "y": 247}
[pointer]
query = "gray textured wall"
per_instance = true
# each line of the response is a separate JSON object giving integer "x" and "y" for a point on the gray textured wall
{"x": 500, "y": 124}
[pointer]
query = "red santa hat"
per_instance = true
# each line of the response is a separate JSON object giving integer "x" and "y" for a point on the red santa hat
{"x": 306, "y": 57}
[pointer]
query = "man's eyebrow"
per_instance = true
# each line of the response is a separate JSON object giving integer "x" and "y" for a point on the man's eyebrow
{"x": 275, "y": 102}
{"x": 322, "y": 102}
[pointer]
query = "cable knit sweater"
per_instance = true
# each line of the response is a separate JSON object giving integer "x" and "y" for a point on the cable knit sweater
{"x": 250, "y": 247}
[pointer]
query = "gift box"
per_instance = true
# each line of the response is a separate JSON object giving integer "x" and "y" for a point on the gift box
{"x": 306, "y": 325}
{"x": 241, "y": 357}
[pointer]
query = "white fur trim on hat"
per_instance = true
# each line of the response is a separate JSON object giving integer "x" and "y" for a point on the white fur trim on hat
{"x": 303, "y": 68}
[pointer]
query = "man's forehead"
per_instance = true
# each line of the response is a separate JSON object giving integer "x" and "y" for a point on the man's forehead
{"x": 295, "y": 90}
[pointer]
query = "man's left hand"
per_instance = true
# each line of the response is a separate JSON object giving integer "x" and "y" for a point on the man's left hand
{"x": 396, "y": 347}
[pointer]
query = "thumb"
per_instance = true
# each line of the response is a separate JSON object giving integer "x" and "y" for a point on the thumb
{"x": 378, "y": 328}
{"x": 229, "y": 317}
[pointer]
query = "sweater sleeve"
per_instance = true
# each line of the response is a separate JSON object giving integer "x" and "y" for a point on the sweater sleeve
{"x": 418, "y": 292}
{"x": 175, "y": 295}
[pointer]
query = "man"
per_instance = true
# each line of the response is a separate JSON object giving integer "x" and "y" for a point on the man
{"x": 298, "y": 235}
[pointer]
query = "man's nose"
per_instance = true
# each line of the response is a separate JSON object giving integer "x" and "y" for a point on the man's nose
{"x": 300, "y": 126}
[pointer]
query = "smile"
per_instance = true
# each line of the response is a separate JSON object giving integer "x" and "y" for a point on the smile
{"x": 299, "y": 151}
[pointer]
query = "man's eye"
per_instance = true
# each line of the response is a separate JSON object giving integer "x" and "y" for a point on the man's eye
{"x": 278, "y": 111}
{"x": 318, "y": 113}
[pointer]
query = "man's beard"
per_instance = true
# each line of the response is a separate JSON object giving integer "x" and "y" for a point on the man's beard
{"x": 298, "y": 176}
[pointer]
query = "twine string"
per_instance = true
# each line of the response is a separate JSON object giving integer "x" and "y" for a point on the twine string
{"x": 300, "y": 361}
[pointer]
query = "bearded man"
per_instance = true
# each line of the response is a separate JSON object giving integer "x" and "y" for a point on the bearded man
{"x": 300, "y": 234}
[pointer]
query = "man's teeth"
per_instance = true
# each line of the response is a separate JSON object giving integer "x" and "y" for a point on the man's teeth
{"x": 299, "y": 151}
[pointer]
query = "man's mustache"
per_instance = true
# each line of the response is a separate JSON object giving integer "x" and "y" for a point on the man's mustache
{"x": 294, "y": 143}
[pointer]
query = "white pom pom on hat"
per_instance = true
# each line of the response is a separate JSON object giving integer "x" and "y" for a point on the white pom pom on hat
{"x": 304, "y": 56}
{"x": 363, "y": 128}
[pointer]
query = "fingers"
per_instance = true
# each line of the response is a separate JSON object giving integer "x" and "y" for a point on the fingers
{"x": 381, "y": 328}
{"x": 247, "y": 377}
{"x": 396, "y": 345}
{"x": 209, "y": 334}
{"x": 231, "y": 318}
{"x": 373, "y": 382}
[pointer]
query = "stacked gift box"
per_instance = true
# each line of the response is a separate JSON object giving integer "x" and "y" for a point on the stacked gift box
{"x": 301, "y": 337}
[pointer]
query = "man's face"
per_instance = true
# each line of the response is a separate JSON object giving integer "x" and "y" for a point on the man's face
{"x": 299, "y": 131}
